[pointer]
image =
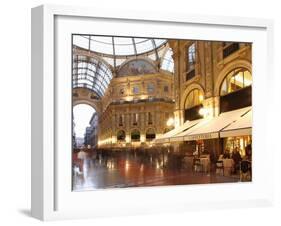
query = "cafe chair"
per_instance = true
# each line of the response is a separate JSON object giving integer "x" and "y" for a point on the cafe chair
{"x": 197, "y": 165}
{"x": 245, "y": 170}
{"x": 220, "y": 167}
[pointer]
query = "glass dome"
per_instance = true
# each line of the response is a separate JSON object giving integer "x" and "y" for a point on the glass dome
{"x": 115, "y": 50}
{"x": 97, "y": 58}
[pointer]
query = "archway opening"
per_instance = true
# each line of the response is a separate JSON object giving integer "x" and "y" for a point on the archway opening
{"x": 150, "y": 134}
{"x": 121, "y": 135}
{"x": 85, "y": 125}
{"x": 135, "y": 135}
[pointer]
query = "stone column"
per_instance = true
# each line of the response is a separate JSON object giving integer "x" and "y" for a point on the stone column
{"x": 209, "y": 83}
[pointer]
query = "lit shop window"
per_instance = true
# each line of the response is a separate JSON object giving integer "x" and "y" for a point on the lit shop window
{"x": 236, "y": 80}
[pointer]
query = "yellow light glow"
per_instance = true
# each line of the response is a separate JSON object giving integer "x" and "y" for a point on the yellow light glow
{"x": 201, "y": 98}
{"x": 129, "y": 98}
{"x": 203, "y": 111}
{"x": 114, "y": 140}
{"x": 127, "y": 139}
{"x": 170, "y": 122}
{"x": 127, "y": 165}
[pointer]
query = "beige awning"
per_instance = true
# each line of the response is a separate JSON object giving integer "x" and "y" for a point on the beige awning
{"x": 165, "y": 138}
{"x": 210, "y": 128}
{"x": 241, "y": 127}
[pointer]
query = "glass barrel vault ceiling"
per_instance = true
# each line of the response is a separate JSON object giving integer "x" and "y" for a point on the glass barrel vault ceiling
{"x": 96, "y": 75}
{"x": 90, "y": 73}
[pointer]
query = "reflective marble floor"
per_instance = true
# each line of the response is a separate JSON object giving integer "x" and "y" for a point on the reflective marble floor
{"x": 131, "y": 170}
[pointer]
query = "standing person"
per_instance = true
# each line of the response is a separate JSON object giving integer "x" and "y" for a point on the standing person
{"x": 248, "y": 151}
{"x": 236, "y": 158}
{"x": 82, "y": 155}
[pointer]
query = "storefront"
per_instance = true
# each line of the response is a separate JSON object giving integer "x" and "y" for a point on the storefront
{"x": 228, "y": 131}
{"x": 239, "y": 142}
{"x": 238, "y": 135}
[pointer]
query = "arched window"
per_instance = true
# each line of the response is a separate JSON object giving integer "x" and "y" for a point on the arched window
{"x": 236, "y": 90}
{"x": 194, "y": 98}
{"x": 193, "y": 104}
{"x": 121, "y": 135}
{"x": 150, "y": 134}
{"x": 135, "y": 135}
{"x": 235, "y": 80}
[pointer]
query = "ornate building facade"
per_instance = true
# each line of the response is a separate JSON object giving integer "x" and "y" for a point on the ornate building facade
{"x": 136, "y": 110}
{"x": 211, "y": 78}
{"x": 136, "y": 93}
{"x": 134, "y": 97}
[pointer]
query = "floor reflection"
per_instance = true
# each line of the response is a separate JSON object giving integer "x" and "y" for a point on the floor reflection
{"x": 126, "y": 169}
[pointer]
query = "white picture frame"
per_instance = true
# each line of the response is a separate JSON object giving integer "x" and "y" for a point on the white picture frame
{"x": 52, "y": 198}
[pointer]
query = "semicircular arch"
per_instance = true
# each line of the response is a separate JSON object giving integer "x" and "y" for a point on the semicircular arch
{"x": 230, "y": 67}
{"x": 188, "y": 90}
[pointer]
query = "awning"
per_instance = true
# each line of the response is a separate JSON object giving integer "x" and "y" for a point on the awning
{"x": 241, "y": 127}
{"x": 165, "y": 138}
{"x": 187, "y": 127}
{"x": 210, "y": 128}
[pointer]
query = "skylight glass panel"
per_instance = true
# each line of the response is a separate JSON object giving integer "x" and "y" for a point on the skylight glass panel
{"x": 168, "y": 62}
{"x": 81, "y": 41}
{"x": 159, "y": 42}
{"x": 140, "y": 40}
{"x": 92, "y": 67}
{"x": 123, "y": 41}
{"x": 145, "y": 46}
{"x": 102, "y": 45}
{"x": 124, "y": 50}
{"x": 91, "y": 74}
{"x": 102, "y": 39}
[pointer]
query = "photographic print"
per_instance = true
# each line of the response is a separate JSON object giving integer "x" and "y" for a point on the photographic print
{"x": 159, "y": 112}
